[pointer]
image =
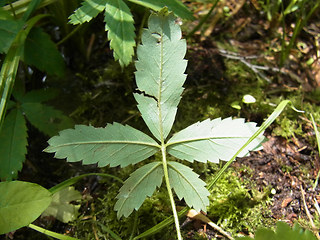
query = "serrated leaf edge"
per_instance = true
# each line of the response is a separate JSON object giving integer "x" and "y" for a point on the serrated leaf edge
{"x": 193, "y": 187}
{"x": 159, "y": 164}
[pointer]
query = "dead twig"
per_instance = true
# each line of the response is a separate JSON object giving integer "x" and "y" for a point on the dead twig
{"x": 308, "y": 213}
{"x": 257, "y": 68}
{"x": 193, "y": 214}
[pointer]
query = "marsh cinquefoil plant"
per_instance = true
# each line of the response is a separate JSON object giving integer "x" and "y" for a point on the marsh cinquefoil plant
{"x": 159, "y": 76}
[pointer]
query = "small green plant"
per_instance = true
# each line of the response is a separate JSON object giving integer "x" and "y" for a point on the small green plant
{"x": 159, "y": 76}
{"x": 283, "y": 232}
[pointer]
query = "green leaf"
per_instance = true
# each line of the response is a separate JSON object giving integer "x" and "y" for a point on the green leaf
{"x": 4, "y": 14}
{"x": 141, "y": 184}
{"x": 160, "y": 73}
{"x": 120, "y": 27}
{"x": 88, "y": 10}
{"x": 173, "y": 5}
{"x": 283, "y": 232}
{"x": 13, "y": 147}
{"x": 10, "y": 104}
{"x": 20, "y": 204}
{"x": 46, "y": 118}
{"x": 42, "y": 53}
{"x": 8, "y": 31}
{"x": 189, "y": 186}
{"x": 211, "y": 140}
{"x": 115, "y": 144}
{"x": 61, "y": 207}
{"x": 38, "y": 96}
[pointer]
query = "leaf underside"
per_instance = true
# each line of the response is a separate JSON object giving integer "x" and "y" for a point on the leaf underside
{"x": 189, "y": 186}
{"x": 13, "y": 147}
{"x": 20, "y": 204}
{"x": 141, "y": 184}
{"x": 88, "y": 10}
{"x": 160, "y": 73}
{"x": 211, "y": 140}
{"x": 120, "y": 26}
{"x": 115, "y": 145}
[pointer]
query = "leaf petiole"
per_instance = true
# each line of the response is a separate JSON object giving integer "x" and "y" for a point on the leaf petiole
{"x": 166, "y": 178}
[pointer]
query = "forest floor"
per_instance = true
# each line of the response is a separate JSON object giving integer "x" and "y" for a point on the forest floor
{"x": 289, "y": 163}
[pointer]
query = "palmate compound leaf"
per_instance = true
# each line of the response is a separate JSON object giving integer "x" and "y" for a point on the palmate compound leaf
{"x": 13, "y": 147}
{"x": 160, "y": 73}
{"x": 188, "y": 185}
{"x": 120, "y": 27}
{"x": 141, "y": 184}
{"x": 115, "y": 145}
{"x": 211, "y": 140}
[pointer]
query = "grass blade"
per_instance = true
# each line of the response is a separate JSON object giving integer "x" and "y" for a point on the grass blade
{"x": 261, "y": 129}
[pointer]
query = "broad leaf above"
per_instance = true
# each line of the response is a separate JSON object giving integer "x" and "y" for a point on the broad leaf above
{"x": 20, "y": 204}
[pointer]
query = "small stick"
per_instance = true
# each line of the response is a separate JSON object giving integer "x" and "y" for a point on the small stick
{"x": 193, "y": 214}
{"x": 308, "y": 213}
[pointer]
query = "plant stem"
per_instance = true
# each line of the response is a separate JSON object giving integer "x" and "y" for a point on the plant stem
{"x": 50, "y": 233}
{"x": 166, "y": 178}
{"x": 261, "y": 129}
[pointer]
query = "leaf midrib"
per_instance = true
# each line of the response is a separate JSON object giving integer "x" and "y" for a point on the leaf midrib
{"x": 200, "y": 139}
{"x": 139, "y": 182}
{"x": 110, "y": 142}
{"x": 160, "y": 87}
{"x": 187, "y": 180}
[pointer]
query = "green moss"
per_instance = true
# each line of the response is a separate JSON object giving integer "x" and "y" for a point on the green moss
{"x": 288, "y": 128}
{"x": 237, "y": 206}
